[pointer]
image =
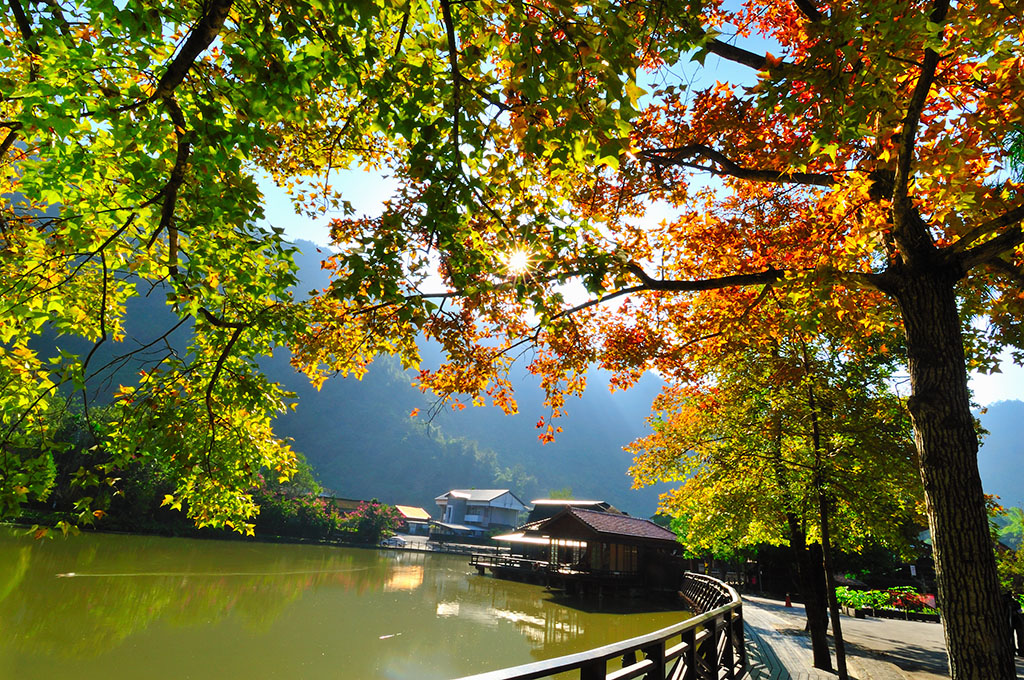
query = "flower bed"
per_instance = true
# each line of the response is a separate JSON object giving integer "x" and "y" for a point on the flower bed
{"x": 895, "y": 603}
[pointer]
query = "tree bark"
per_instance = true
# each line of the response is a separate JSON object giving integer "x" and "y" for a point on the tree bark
{"x": 975, "y": 626}
{"x": 812, "y": 589}
{"x": 809, "y": 579}
{"x": 830, "y": 588}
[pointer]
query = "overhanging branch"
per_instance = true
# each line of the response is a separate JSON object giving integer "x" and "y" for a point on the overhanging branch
{"x": 770, "y": 275}
{"x": 738, "y": 55}
{"x": 678, "y": 155}
{"x": 1010, "y": 217}
{"x": 197, "y": 42}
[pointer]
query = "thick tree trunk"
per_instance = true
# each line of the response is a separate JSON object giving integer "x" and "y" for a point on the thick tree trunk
{"x": 806, "y": 571}
{"x": 974, "y": 621}
{"x": 830, "y": 588}
{"x": 811, "y": 581}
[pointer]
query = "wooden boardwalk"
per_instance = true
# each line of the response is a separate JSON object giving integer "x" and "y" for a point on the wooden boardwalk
{"x": 778, "y": 649}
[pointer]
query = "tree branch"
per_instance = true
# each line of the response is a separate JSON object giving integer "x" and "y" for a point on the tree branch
{"x": 453, "y": 60}
{"x": 809, "y": 10}
{"x": 170, "y": 190}
{"x": 770, "y": 275}
{"x": 403, "y": 28}
{"x": 23, "y": 24}
{"x": 197, "y": 42}
{"x": 1006, "y": 219}
{"x": 1007, "y": 269}
{"x": 211, "y": 418}
{"x": 911, "y": 232}
{"x": 678, "y": 155}
{"x": 992, "y": 249}
{"x": 738, "y": 55}
{"x": 222, "y": 323}
{"x": 12, "y": 134}
{"x": 102, "y": 339}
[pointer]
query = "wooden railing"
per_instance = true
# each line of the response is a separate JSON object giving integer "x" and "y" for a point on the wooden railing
{"x": 708, "y": 646}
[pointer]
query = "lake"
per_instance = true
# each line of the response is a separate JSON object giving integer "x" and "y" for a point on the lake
{"x": 105, "y": 606}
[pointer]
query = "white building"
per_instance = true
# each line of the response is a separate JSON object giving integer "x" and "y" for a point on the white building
{"x": 480, "y": 508}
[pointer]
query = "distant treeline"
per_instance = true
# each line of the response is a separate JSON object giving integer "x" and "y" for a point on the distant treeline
{"x": 93, "y": 491}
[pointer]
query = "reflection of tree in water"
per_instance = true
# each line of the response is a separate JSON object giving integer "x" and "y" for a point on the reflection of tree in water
{"x": 111, "y": 587}
{"x": 13, "y": 567}
{"x": 555, "y": 626}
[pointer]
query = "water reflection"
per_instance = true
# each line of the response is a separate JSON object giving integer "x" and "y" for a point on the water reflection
{"x": 106, "y": 606}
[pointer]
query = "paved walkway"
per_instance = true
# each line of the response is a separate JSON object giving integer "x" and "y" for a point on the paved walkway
{"x": 876, "y": 649}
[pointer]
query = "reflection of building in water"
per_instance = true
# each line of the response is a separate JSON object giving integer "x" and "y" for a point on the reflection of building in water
{"x": 489, "y": 602}
{"x": 404, "y": 577}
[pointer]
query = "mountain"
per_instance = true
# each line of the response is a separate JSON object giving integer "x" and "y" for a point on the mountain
{"x": 1001, "y": 456}
{"x": 362, "y": 442}
{"x": 360, "y": 439}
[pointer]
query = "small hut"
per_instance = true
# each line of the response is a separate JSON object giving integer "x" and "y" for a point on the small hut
{"x": 608, "y": 545}
{"x": 584, "y": 550}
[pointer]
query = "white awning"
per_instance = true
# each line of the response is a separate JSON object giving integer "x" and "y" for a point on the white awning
{"x": 534, "y": 539}
{"x": 520, "y": 537}
{"x": 456, "y": 527}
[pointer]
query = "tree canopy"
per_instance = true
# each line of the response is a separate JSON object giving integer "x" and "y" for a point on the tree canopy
{"x": 768, "y": 434}
{"x": 864, "y": 174}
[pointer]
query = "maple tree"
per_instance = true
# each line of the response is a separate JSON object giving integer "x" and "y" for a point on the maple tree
{"x": 863, "y": 175}
{"x": 791, "y": 443}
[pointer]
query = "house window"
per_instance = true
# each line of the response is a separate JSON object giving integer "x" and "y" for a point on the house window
{"x": 623, "y": 558}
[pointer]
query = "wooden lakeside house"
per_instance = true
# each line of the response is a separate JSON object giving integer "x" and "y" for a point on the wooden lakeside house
{"x": 528, "y": 541}
{"x": 581, "y": 550}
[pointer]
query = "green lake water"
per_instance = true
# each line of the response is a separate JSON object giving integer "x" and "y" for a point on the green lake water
{"x": 107, "y": 607}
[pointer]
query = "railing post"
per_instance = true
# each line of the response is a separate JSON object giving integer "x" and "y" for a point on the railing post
{"x": 690, "y": 655}
{"x": 709, "y": 651}
{"x": 594, "y": 670}
{"x": 725, "y": 658}
{"x": 741, "y": 657}
{"x": 656, "y": 655}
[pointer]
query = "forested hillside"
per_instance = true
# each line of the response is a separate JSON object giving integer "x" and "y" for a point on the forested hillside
{"x": 362, "y": 442}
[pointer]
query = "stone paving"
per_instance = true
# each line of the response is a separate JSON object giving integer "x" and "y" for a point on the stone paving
{"x": 876, "y": 649}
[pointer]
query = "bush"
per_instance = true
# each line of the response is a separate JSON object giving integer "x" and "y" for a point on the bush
{"x": 904, "y": 598}
{"x": 370, "y": 523}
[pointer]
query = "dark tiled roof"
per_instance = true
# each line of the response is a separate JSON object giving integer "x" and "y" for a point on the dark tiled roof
{"x": 622, "y": 525}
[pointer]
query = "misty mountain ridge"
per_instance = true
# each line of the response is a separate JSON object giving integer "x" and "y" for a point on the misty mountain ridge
{"x": 362, "y": 443}
{"x": 1001, "y": 454}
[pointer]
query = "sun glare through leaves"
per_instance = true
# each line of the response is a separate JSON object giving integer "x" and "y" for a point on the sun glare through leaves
{"x": 517, "y": 262}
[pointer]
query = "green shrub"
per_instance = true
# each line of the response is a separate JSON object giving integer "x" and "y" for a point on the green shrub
{"x": 904, "y": 598}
